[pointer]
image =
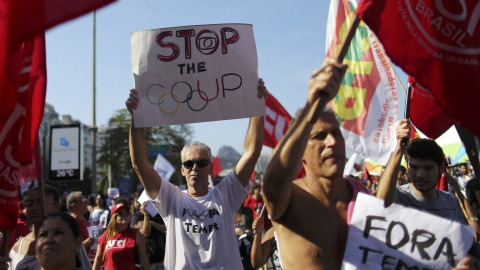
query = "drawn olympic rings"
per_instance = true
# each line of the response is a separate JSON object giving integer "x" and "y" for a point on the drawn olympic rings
{"x": 197, "y": 215}
{"x": 162, "y": 100}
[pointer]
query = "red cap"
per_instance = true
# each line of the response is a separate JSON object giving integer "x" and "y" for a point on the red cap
{"x": 119, "y": 206}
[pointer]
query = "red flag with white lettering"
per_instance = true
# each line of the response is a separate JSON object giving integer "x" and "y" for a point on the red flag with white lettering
{"x": 20, "y": 129}
{"x": 425, "y": 113}
{"x": 437, "y": 42}
{"x": 23, "y": 85}
{"x": 277, "y": 120}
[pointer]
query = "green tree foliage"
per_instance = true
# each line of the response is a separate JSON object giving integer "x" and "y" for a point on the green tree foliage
{"x": 114, "y": 151}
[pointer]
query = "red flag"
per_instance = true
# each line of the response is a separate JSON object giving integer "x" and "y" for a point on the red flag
{"x": 217, "y": 167}
{"x": 277, "y": 120}
{"x": 442, "y": 183}
{"x": 21, "y": 20}
{"x": 20, "y": 129}
{"x": 425, "y": 114}
{"x": 23, "y": 85}
{"x": 413, "y": 132}
{"x": 437, "y": 42}
{"x": 32, "y": 171}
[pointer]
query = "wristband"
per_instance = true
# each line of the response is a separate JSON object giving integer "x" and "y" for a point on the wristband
{"x": 473, "y": 218}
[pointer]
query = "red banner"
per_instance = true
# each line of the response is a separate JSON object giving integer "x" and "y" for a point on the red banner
{"x": 425, "y": 113}
{"x": 437, "y": 42}
{"x": 23, "y": 86}
{"x": 277, "y": 120}
{"x": 19, "y": 130}
{"x": 22, "y": 20}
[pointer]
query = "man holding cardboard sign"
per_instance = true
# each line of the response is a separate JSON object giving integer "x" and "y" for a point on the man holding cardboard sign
{"x": 200, "y": 229}
{"x": 425, "y": 165}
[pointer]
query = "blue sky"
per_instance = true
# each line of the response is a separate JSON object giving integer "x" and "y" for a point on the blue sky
{"x": 290, "y": 39}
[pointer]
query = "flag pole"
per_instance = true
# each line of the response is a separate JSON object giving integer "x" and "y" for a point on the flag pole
{"x": 407, "y": 111}
{"x": 321, "y": 102}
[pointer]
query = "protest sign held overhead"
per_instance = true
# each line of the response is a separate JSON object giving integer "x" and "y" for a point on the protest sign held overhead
{"x": 438, "y": 43}
{"x": 195, "y": 74}
{"x": 366, "y": 103}
{"x": 399, "y": 237}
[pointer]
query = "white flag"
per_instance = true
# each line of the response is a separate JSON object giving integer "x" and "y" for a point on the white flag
{"x": 163, "y": 167}
{"x": 349, "y": 166}
{"x": 366, "y": 103}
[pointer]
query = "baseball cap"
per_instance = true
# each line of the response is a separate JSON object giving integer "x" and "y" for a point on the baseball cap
{"x": 119, "y": 206}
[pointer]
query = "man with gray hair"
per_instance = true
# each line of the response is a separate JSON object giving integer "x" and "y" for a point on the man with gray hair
{"x": 77, "y": 206}
{"x": 199, "y": 221}
{"x": 311, "y": 215}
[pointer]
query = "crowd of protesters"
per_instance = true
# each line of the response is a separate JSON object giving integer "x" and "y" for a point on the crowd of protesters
{"x": 225, "y": 227}
{"x": 28, "y": 241}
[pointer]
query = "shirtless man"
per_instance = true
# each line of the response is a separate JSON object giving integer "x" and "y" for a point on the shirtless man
{"x": 311, "y": 215}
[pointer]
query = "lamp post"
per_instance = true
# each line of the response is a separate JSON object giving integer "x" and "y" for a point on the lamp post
{"x": 94, "y": 127}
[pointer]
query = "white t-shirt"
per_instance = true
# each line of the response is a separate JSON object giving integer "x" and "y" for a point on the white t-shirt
{"x": 462, "y": 183}
{"x": 200, "y": 231}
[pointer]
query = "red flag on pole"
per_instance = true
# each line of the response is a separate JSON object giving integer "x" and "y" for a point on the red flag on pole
{"x": 277, "y": 120}
{"x": 437, "y": 42}
{"x": 23, "y": 85}
{"x": 217, "y": 167}
{"x": 425, "y": 113}
{"x": 20, "y": 129}
{"x": 413, "y": 132}
{"x": 21, "y": 20}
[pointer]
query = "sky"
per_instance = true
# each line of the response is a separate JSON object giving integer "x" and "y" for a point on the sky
{"x": 289, "y": 36}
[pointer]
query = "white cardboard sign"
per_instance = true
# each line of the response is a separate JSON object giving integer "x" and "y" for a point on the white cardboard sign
{"x": 149, "y": 208}
{"x": 399, "y": 237}
{"x": 195, "y": 74}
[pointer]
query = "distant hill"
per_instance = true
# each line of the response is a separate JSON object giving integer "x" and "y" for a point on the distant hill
{"x": 228, "y": 157}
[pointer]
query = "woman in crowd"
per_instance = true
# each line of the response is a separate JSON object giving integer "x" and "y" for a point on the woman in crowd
{"x": 58, "y": 241}
{"x": 119, "y": 243}
{"x": 243, "y": 229}
{"x": 90, "y": 205}
{"x": 100, "y": 215}
{"x": 23, "y": 252}
{"x": 266, "y": 248}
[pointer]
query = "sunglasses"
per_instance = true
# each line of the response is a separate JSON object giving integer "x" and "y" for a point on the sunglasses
{"x": 202, "y": 163}
{"x": 123, "y": 214}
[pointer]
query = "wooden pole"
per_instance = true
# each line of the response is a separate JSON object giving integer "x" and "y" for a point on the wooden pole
{"x": 322, "y": 101}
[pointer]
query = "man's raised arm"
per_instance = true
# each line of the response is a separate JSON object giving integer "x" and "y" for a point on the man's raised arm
{"x": 253, "y": 143}
{"x": 287, "y": 156}
{"x": 138, "y": 153}
{"x": 387, "y": 184}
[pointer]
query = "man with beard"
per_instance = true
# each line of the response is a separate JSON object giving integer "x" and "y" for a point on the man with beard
{"x": 425, "y": 165}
